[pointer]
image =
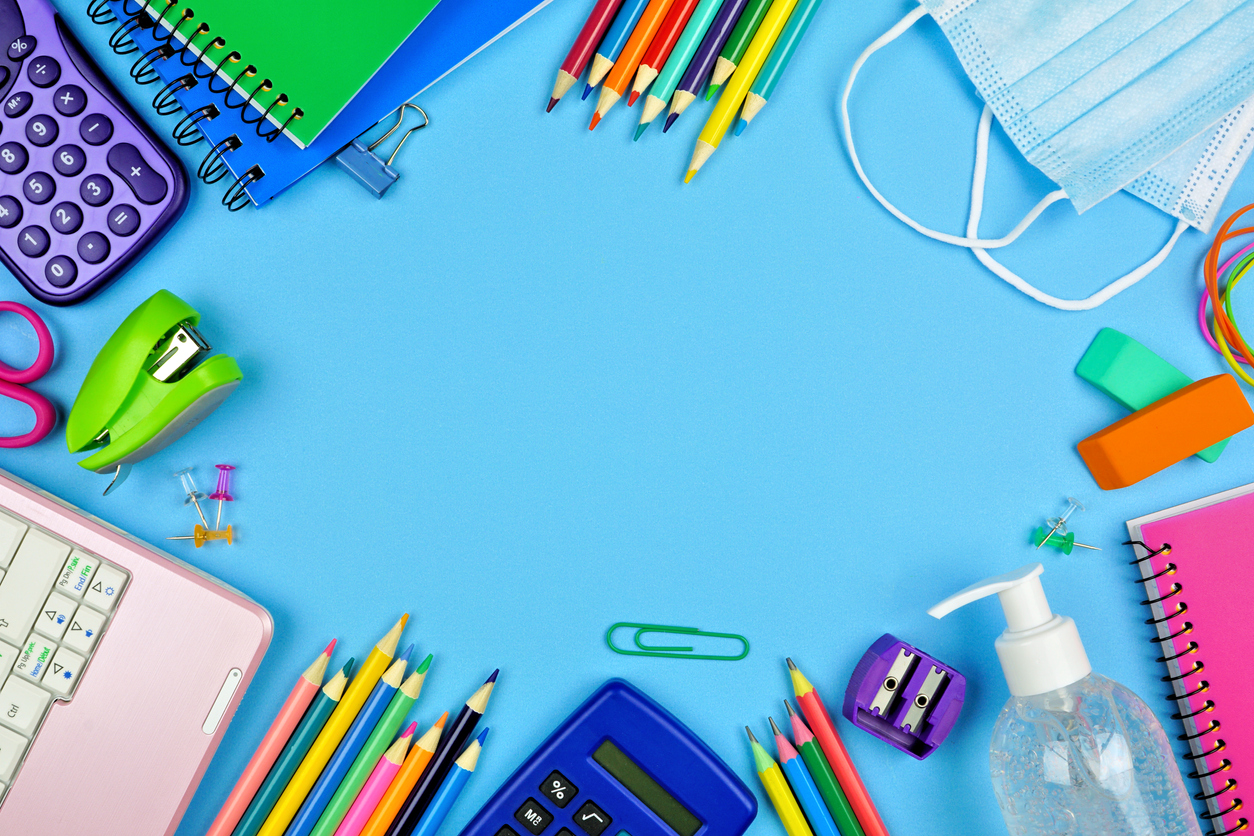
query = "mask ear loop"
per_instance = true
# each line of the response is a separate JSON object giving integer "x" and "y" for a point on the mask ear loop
{"x": 973, "y": 228}
{"x": 970, "y": 242}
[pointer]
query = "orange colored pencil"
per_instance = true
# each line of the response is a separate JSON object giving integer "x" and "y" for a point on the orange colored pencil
{"x": 629, "y": 59}
{"x": 404, "y": 782}
{"x": 660, "y": 47}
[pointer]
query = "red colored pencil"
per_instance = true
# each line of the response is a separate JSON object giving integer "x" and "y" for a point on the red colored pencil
{"x": 660, "y": 47}
{"x": 585, "y": 44}
{"x": 821, "y": 724}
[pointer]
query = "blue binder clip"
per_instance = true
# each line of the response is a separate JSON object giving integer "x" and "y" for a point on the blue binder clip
{"x": 359, "y": 159}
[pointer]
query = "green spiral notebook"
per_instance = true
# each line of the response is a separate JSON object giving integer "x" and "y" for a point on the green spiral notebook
{"x": 294, "y": 65}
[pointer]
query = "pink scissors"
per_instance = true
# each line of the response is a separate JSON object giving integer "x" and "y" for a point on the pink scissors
{"x": 10, "y": 378}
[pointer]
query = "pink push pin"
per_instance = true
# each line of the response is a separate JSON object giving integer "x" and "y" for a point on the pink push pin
{"x": 223, "y": 493}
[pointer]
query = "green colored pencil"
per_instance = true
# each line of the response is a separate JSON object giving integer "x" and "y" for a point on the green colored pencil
{"x": 777, "y": 61}
{"x": 737, "y": 43}
{"x": 666, "y": 82}
{"x": 293, "y": 753}
{"x": 824, "y": 777}
{"x": 380, "y": 739}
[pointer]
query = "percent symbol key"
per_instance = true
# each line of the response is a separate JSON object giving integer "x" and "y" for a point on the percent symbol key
{"x": 558, "y": 789}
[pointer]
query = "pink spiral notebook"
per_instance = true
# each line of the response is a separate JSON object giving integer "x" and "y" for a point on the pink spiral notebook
{"x": 1197, "y": 565}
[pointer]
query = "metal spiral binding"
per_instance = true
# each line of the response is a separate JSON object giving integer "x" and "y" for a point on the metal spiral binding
{"x": 100, "y": 13}
{"x": 236, "y": 197}
{"x": 186, "y": 133}
{"x": 164, "y": 102}
{"x": 213, "y": 168}
{"x": 1181, "y": 700}
{"x": 142, "y": 71}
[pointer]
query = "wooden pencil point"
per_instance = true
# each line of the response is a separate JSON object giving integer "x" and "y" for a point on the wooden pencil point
{"x": 703, "y": 152}
{"x": 562, "y": 86}
{"x": 600, "y": 66}
{"x": 387, "y": 644}
{"x": 395, "y": 674}
{"x": 753, "y": 104}
{"x": 723, "y": 70}
{"x": 653, "y": 107}
{"x": 413, "y": 685}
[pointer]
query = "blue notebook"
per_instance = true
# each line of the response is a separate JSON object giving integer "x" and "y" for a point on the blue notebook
{"x": 256, "y": 170}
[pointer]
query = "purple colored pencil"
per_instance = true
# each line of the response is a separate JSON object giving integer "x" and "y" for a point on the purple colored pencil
{"x": 703, "y": 61}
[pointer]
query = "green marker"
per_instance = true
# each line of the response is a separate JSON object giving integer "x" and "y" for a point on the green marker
{"x": 777, "y": 61}
{"x": 666, "y": 82}
{"x": 824, "y": 777}
{"x": 734, "y": 49}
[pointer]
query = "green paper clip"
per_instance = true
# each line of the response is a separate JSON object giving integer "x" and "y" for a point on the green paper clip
{"x": 671, "y": 652}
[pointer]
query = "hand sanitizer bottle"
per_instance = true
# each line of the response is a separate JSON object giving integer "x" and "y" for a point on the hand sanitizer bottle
{"x": 1073, "y": 752}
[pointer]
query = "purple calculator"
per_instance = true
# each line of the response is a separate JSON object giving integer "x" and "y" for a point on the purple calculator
{"x": 85, "y": 187}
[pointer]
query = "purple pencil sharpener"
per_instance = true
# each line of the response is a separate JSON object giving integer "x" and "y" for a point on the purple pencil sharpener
{"x": 905, "y": 697}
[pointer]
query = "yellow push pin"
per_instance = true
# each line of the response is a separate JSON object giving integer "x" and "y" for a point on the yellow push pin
{"x": 203, "y": 535}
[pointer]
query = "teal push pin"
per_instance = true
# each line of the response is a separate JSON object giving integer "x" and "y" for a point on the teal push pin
{"x": 1062, "y": 542}
{"x": 1073, "y": 505}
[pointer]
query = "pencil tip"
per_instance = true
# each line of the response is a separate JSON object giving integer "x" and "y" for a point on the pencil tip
{"x": 740, "y": 127}
{"x": 631, "y": 97}
{"x": 640, "y": 129}
{"x": 791, "y": 666}
{"x": 670, "y": 120}
{"x": 774, "y": 728}
{"x": 596, "y": 120}
{"x": 426, "y": 663}
{"x": 443, "y": 717}
{"x": 330, "y": 647}
{"x": 404, "y": 619}
{"x": 404, "y": 657}
{"x": 749, "y": 732}
{"x": 483, "y": 736}
{"x": 586, "y": 90}
{"x": 492, "y": 678}
{"x": 348, "y": 666}
{"x": 788, "y": 706}
{"x": 692, "y": 172}
{"x": 549, "y": 109}
{"x": 709, "y": 94}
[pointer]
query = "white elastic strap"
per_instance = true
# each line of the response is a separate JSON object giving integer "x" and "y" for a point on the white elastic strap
{"x": 973, "y": 229}
{"x": 980, "y": 157}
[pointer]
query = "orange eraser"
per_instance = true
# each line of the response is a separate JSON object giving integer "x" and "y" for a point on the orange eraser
{"x": 1167, "y": 431}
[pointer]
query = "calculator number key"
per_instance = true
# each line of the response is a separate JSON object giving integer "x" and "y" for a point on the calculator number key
{"x": 39, "y": 188}
{"x": 533, "y": 816}
{"x": 66, "y": 218}
{"x": 69, "y": 160}
{"x": 43, "y": 71}
{"x": 95, "y": 191}
{"x": 10, "y": 212}
{"x": 557, "y": 789}
{"x": 13, "y": 157}
{"x": 18, "y": 103}
{"x": 60, "y": 271}
{"x": 41, "y": 130}
{"x": 592, "y": 819}
{"x": 33, "y": 241}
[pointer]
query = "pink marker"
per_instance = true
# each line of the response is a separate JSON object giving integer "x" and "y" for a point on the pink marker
{"x": 372, "y": 791}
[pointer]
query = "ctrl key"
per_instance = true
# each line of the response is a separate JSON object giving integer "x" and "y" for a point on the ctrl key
{"x": 22, "y": 704}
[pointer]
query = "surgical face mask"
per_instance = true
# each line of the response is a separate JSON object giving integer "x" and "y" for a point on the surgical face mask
{"x": 1101, "y": 95}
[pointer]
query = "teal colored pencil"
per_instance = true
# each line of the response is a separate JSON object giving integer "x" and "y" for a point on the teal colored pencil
{"x": 293, "y": 753}
{"x": 666, "y": 82}
{"x": 777, "y": 61}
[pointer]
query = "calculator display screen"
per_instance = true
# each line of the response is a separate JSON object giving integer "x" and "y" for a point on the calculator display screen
{"x": 650, "y": 793}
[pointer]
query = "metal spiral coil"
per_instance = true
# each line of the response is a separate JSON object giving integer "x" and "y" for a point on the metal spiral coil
{"x": 142, "y": 71}
{"x": 213, "y": 167}
{"x": 165, "y": 102}
{"x": 236, "y": 197}
{"x": 186, "y": 133}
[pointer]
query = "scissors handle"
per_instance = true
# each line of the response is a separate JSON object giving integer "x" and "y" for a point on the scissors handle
{"x": 45, "y": 413}
{"x": 43, "y": 362}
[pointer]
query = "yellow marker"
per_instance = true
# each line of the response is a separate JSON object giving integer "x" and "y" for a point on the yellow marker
{"x": 782, "y": 799}
{"x": 288, "y": 805}
{"x": 738, "y": 87}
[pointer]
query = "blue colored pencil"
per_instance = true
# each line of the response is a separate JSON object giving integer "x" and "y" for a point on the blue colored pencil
{"x": 615, "y": 39}
{"x": 703, "y": 62}
{"x": 452, "y": 787}
{"x": 803, "y": 786}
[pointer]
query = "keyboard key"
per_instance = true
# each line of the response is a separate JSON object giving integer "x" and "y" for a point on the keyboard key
{"x": 125, "y": 160}
{"x": 69, "y": 100}
{"x": 41, "y": 130}
{"x": 69, "y": 160}
{"x": 8, "y": 657}
{"x": 84, "y": 630}
{"x": 10, "y": 216}
{"x": 531, "y": 815}
{"x": 22, "y": 704}
{"x": 93, "y": 248}
{"x": 21, "y": 47}
{"x": 96, "y": 129}
{"x": 123, "y": 219}
{"x": 66, "y": 218}
{"x": 77, "y": 574}
{"x": 12, "y": 530}
{"x": 18, "y": 103}
{"x": 43, "y": 71}
{"x": 27, "y": 583}
{"x": 33, "y": 241}
{"x": 96, "y": 190}
{"x": 60, "y": 271}
{"x": 592, "y": 819}
{"x": 13, "y": 157}
{"x": 55, "y": 616}
{"x": 108, "y": 585}
{"x": 34, "y": 657}
{"x": 12, "y": 747}
{"x": 39, "y": 188}
{"x": 66, "y": 668}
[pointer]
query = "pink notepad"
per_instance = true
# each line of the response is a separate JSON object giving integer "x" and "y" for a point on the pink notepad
{"x": 1201, "y": 593}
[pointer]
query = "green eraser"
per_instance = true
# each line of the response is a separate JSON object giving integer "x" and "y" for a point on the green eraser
{"x": 1134, "y": 376}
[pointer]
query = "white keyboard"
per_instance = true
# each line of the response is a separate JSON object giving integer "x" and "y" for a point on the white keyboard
{"x": 55, "y": 602}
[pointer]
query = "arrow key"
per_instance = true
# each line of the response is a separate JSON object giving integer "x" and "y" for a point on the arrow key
{"x": 84, "y": 630}
{"x": 64, "y": 673}
{"x": 55, "y": 617}
{"x": 105, "y": 590}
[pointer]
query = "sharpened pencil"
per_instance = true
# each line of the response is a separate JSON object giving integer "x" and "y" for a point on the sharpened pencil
{"x": 615, "y": 39}
{"x": 778, "y": 791}
{"x": 737, "y": 44}
{"x": 452, "y": 787}
{"x": 821, "y": 771}
{"x": 803, "y": 786}
{"x": 660, "y": 48}
{"x": 415, "y": 763}
{"x": 771, "y": 72}
{"x": 374, "y": 787}
{"x": 581, "y": 51}
{"x": 703, "y": 60}
{"x": 629, "y": 59}
{"x": 681, "y": 55}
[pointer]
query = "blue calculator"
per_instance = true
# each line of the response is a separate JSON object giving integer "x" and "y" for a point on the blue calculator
{"x": 621, "y": 765}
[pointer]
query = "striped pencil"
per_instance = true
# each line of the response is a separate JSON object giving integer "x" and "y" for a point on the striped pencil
{"x": 737, "y": 44}
{"x": 777, "y": 790}
{"x": 803, "y": 786}
{"x": 781, "y": 54}
{"x": 581, "y": 51}
{"x": 660, "y": 48}
{"x": 415, "y": 762}
{"x": 666, "y": 82}
{"x": 629, "y": 59}
{"x": 452, "y": 787}
{"x": 821, "y": 773}
{"x": 613, "y": 42}
{"x": 371, "y": 791}
{"x": 703, "y": 61}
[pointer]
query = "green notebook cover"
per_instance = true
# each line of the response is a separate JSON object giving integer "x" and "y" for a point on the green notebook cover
{"x": 317, "y": 54}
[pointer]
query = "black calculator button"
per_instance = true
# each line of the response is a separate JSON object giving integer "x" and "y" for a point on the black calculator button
{"x": 96, "y": 129}
{"x": 18, "y": 103}
{"x": 43, "y": 71}
{"x": 10, "y": 212}
{"x": 33, "y": 241}
{"x": 533, "y": 817}
{"x": 506, "y": 830}
{"x": 566, "y": 832}
{"x": 39, "y": 188}
{"x": 66, "y": 218}
{"x": 60, "y": 271}
{"x": 93, "y": 248}
{"x": 21, "y": 47}
{"x": 123, "y": 220}
{"x": 69, "y": 160}
{"x": 41, "y": 130}
{"x": 95, "y": 191}
{"x": 592, "y": 819}
{"x": 127, "y": 163}
{"x": 557, "y": 789}
{"x": 13, "y": 157}
{"x": 69, "y": 100}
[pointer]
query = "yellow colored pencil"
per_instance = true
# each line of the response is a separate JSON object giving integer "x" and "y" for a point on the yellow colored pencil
{"x": 777, "y": 789}
{"x": 337, "y": 725}
{"x": 737, "y": 88}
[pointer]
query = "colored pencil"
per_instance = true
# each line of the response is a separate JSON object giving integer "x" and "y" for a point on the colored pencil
{"x": 821, "y": 773}
{"x": 777, "y": 790}
{"x": 615, "y": 39}
{"x": 803, "y": 786}
{"x": 384, "y": 731}
{"x": 371, "y": 791}
{"x": 581, "y": 51}
{"x": 294, "y": 753}
{"x": 703, "y": 61}
{"x": 777, "y": 62}
{"x": 737, "y": 44}
{"x": 420, "y": 796}
{"x": 825, "y": 731}
{"x": 415, "y": 762}
{"x": 661, "y": 47}
{"x": 738, "y": 87}
{"x": 271, "y": 746}
{"x": 666, "y": 82}
{"x": 346, "y": 753}
{"x": 333, "y": 732}
{"x": 452, "y": 787}
{"x": 629, "y": 59}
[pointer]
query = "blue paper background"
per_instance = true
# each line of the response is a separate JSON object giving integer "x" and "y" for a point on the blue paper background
{"x": 543, "y": 386}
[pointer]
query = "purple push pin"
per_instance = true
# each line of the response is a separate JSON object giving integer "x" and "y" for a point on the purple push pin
{"x": 223, "y": 493}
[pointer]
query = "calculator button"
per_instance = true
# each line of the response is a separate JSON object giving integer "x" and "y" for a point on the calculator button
{"x": 21, "y": 47}
{"x": 69, "y": 100}
{"x": 69, "y": 160}
{"x": 10, "y": 212}
{"x": 127, "y": 163}
{"x": 531, "y": 816}
{"x": 39, "y": 188}
{"x": 61, "y": 271}
{"x": 95, "y": 191}
{"x": 592, "y": 819}
{"x": 104, "y": 592}
{"x": 18, "y": 103}
{"x": 13, "y": 157}
{"x": 43, "y": 71}
{"x": 57, "y": 612}
{"x": 123, "y": 219}
{"x": 506, "y": 830}
{"x": 558, "y": 790}
{"x": 96, "y": 129}
{"x": 93, "y": 248}
{"x": 33, "y": 241}
{"x": 66, "y": 218}
{"x": 22, "y": 704}
{"x": 12, "y": 746}
{"x": 41, "y": 130}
